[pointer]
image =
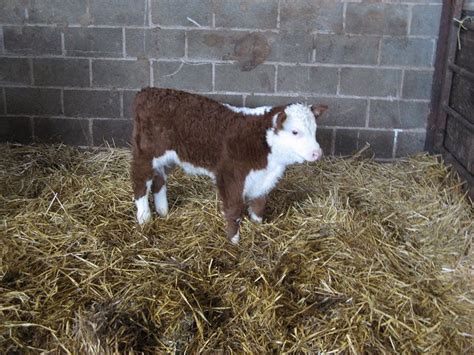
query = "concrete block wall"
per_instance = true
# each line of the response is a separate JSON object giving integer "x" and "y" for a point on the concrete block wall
{"x": 69, "y": 68}
{"x": 469, "y": 6}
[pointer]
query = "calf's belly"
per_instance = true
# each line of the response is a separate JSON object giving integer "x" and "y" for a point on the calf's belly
{"x": 257, "y": 183}
{"x": 171, "y": 158}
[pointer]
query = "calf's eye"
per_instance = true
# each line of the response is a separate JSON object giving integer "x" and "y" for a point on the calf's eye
{"x": 295, "y": 133}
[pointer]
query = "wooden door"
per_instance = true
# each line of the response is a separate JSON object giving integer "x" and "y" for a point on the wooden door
{"x": 451, "y": 122}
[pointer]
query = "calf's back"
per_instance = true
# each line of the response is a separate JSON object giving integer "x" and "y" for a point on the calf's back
{"x": 200, "y": 130}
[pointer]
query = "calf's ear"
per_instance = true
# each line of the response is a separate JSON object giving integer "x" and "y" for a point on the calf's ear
{"x": 278, "y": 120}
{"x": 318, "y": 110}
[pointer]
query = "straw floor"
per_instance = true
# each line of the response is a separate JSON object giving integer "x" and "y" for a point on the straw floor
{"x": 355, "y": 257}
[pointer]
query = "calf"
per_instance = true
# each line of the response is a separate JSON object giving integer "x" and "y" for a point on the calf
{"x": 244, "y": 151}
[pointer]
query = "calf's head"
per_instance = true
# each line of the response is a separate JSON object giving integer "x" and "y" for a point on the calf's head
{"x": 293, "y": 136}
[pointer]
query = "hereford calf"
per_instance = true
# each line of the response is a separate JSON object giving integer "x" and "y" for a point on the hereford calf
{"x": 244, "y": 151}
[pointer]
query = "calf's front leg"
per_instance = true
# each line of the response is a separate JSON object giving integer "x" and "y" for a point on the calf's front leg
{"x": 233, "y": 205}
{"x": 233, "y": 218}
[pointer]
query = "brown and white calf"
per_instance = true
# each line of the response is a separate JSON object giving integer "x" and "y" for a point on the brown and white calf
{"x": 244, "y": 151}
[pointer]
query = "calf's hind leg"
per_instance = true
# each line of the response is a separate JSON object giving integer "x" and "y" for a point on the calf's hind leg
{"x": 159, "y": 193}
{"x": 142, "y": 175}
{"x": 257, "y": 209}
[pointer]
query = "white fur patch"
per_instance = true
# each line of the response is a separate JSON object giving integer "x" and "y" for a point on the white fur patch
{"x": 171, "y": 158}
{"x": 300, "y": 115}
{"x": 274, "y": 120}
{"x": 161, "y": 202}
{"x": 143, "y": 209}
{"x": 257, "y": 111}
{"x": 235, "y": 239}
{"x": 260, "y": 182}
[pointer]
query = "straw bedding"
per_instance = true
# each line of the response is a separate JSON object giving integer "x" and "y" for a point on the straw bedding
{"x": 355, "y": 257}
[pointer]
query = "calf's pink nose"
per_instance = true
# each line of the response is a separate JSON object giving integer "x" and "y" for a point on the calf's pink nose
{"x": 317, "y": 154}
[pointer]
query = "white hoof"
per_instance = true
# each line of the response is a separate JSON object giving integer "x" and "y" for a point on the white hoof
{"x": 144, "y": 217}
{"x": 143, "y": 210}
{"x": 161, "y": 202}
{"x": 255, "y": 218}
{"x": 235, "y": 239}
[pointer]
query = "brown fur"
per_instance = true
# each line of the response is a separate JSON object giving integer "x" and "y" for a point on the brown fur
{"x": 204, "y": 133}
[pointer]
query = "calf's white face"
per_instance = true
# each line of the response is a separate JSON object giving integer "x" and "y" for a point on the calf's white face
{"x": 295, "y": 140}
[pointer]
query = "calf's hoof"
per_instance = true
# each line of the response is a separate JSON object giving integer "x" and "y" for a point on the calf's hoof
{"x": 144, "y": 217}
{"x": 255, "y": 218}
{"x": 235, "y": 239}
